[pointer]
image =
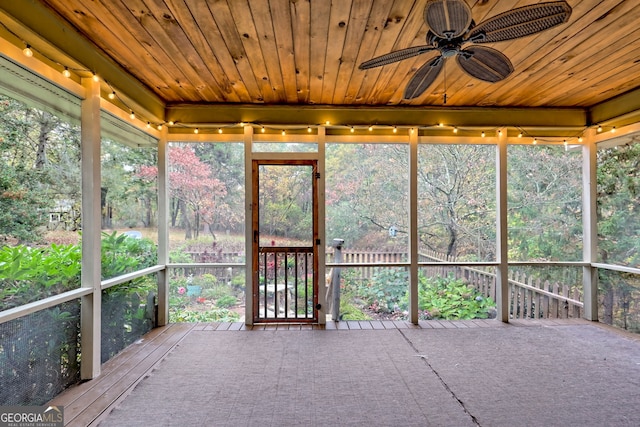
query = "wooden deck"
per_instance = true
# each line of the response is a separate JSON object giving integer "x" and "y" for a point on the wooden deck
{"x": 88, "y": 403}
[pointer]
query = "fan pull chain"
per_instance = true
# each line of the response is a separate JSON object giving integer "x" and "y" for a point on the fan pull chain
{"x": 444, "y": 95}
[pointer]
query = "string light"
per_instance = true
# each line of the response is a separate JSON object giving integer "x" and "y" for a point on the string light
{"x": 159, "y": 127}
{"x": 95, "y": 78}
{"x": 262, "y": 130}
{"x": 27, "y": 51}
{"x": 352, "y": 129}
{"x": 370, "y": 128}
{"x": 455, "y": 130}
{"x": 112, "y": 95}
{"x": 309, "y": 129}
{"x": 580, "y": 139}
{"x": 196, "y": 130}
{"x": 148, "y": 125}
{"x": 535, "y": 141}
{"x": 599, "y": 128}
{"x": 411, "y": 131}
{"x": 500, "y": 133}
{"x": 171, "y": 122}
{"x": 395, "y": 129}
{"x": 283, "y": 132}
{"x": 132, "y": 115}
{"x": 482, "y": 134}
{"x": 219, "y": 130}
{"x": 66, "y": 72}
{"x": 613, "y": 129}
{"x": 520, "y": 135}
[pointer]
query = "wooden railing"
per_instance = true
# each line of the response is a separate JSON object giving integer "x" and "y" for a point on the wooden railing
{"x": 529, "y": 297}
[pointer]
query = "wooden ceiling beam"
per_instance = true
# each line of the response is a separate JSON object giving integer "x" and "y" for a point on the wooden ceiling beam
{"x": 472, "y": 117}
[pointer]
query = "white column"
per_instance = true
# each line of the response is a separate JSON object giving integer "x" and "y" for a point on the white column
{"x": 322, "y": 284}
{"x": 91, "y": 304}
{"x": 589, "y": 225}
{"x": 248, "y": 201}
{"x": 413, "y": 226}
{"x": 502, "y": 272}
{"x": 163, "y": 228}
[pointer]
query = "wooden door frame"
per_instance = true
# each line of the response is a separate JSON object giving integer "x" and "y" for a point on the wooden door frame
{"x": 255, "y": 237}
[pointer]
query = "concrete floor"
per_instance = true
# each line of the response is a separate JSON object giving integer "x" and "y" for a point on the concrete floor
{"x": 492, "y": 374}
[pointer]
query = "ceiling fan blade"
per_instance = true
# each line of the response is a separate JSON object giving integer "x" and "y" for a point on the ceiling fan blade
{"x": 396, "y": 56}
{"x": 423, "y": 78}
{"x": 521, "y": 22}
{"x": 484, "y": 63}
{"x": 447, "y": 18}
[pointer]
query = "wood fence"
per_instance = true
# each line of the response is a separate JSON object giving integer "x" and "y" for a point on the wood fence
{"x": 529, "y": 297}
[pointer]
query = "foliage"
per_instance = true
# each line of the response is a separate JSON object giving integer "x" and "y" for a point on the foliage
{"x": 451, "y": 299}
{"x": 123, "y": 254}
{"x": 192, "y": 186}
{"x": 213, "y": 315}
{"x": 349, "y": 311}
{"x": 29, "y": 274}
{"x": 545, "y": 203}
{"x": 456, "y": 197}
{"x": 386, "y": 289}
{"x": 226, "y": 301}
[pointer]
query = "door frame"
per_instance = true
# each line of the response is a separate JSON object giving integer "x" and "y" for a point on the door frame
{"x": 278, "y": 159}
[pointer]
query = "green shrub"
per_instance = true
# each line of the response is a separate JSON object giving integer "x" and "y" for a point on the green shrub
{"x": 450, "y": 298}
{"x": 226, "y": 301}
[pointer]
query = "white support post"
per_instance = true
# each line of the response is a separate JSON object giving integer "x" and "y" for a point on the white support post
{"x": 413, "y": 226}
{"x": 91, "y": 305}
{"x": 502, "y": 273}
{"x": 163, "y": 228}
{"x": 248, "y": 204}
{"x": 322, "y": 284}
{"x": 589, "y": 225}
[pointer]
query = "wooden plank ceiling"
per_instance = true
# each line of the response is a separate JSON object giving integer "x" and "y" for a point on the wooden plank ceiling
{"x": 304, "y": 53}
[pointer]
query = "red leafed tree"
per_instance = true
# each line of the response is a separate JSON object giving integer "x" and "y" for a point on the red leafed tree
{"x": 195, "y": 194}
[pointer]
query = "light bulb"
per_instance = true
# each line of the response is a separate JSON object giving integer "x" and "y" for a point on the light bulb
{"x": 309, "y": 129}
{"x": 219, "y": 130}
{"x": 499, "y": 133}
{"x": 196, "y": 130}
{"x": 148, "y": 125}
{"x": 580, "y": 139}
{"x": 327, "y": 123}
{"x": 613, "y": 129}
{"x": 395, "y": 129}
{"x": 411, "y": 130}
{"x": 27, "y": 51}
{"x": 95, "y": 77}
{"x": 262, "y": 130}
{"x": 66, "y": 72}
{"x": 132, "y": 115}
{"x": 283, "y": 133}
{"x": 370, "y": 128}
{"x": 520, "y": 135}
{"x": 599, "y": 128}
{"x": 455, "y": 130}
{"x": 441, "y": 124}
{"x": 535, "y": 141}
{"x": 159, "y": 127}
{"x": 482, "y": 134}
{"x": 171, "y": 122}
{"x": 112, "y": 95}
{"x": 352, "y": 129}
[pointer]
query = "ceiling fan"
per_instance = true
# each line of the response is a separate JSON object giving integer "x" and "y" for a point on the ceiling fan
{"x": 451, "y": 28}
